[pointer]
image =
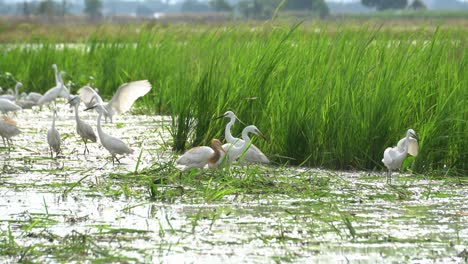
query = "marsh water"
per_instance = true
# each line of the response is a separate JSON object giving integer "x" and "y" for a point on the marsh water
{"x": 82, "y": 207}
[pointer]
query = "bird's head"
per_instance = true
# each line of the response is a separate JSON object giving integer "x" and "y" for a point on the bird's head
{"x": 19, "y": 84}
{"x": 254, "y": 130}
{"x": 54, "y": 66}
{"x": 99, "y": 108}
{"x": 216, "y": 144}
{"x": 74, "y": 100}
{"x": 228, "y": 114}
{"x": 412, "y": 134}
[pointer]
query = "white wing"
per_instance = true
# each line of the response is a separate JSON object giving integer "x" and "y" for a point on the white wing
{"x": 255, "y": 155}
{"x": 127, "y": 94}
{"x": 89, "y": 96}
{"x": 413, "y": 147}
{"x": 196, "y": 157}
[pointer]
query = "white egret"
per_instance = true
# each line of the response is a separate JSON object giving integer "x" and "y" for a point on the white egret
{"x": 12, "y": 96}
{"x": 112, "y": 144}
{"x": 58, "y": 91}
{"x": 34, "y": 97}
{"x": 8, "y": 129}
{"x": 198, "y": 157}
{"x": 83, "y": 129}
{"x": 56, "y": 74}
{"x": 235, "y": 151}
{"x": 53, "y": 137}
{"x": 122, "y": 100}
{"x": 394, "y": 157}
{"x": 253, "y": 154}
{"x": 8, "y": 106}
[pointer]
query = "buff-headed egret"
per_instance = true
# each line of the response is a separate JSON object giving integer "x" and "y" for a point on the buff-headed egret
{"x": 393, "y": 157}
{"x": 253, "y": 154}
{"x": 84, "y": 130}
{"x": 8, "y": 129}
{"x": 53, "y": 137}
{"x": 122, "y": 100}
{"x": 199, "y": 157}
{"x": 114, "y": 145}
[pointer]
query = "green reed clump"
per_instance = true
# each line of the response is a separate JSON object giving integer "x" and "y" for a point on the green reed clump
{"x": 330, "y": 98}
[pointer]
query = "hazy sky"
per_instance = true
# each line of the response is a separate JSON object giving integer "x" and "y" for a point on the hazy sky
{"x": 15, "y": 1}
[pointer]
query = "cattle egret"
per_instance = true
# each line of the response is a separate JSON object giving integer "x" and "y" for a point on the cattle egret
{"x": 122, "y": 100}
{"x": 394, "y": 157}
{"x": 112, "y": 144}
{"x": 8, "y": 129}
{"x": 53, "y": 137}
{"x": 198, "y": 157}
{"x": 253, "y": 154}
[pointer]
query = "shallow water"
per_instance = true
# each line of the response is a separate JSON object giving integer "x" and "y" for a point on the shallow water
{"x": 79, "y": 205}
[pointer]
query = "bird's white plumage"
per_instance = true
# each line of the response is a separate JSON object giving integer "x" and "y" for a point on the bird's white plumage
{"x": 413, "y": 147}
{"x": 32, "y": 96}
{"x": 199, "y": 157}
{"x": 84, "y": 130}
{"x": 393, "y": 157}
{"x": 196, "y": 157}
{"x": 112, "y": 144}
{"x": 53, "y": 137}
{"x": 234, "y": 151}
{"x": 89, "y": 96}
{"x": 253, "y": 153}
{"x": 58, "y": 91}
{"x": 122, "y": 100}
{"x": 127, "y": 94}
{"x": 8, "y": 106}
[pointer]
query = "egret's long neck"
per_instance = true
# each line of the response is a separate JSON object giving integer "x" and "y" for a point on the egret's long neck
{"x": 99, "y": 129}
{"x": 16, "y": 91}
{"x": 406, "y": 146}
{"x": 57, "y": 76}
{"x": 227, "y": 131}
{"x": 216, "y": 155}
{"x": 246, "y": 138}
{"x": 76, "y": 113}
{"x": 53, "y": 121}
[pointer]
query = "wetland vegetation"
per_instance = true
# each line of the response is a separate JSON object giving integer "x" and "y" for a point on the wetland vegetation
{"x": 326, "y": 97}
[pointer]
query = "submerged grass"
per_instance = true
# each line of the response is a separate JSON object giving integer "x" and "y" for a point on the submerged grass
{"x": 330, "y": 98}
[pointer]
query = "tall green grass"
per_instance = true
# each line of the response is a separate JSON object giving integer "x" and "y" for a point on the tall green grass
{"x": 328, "y": 98}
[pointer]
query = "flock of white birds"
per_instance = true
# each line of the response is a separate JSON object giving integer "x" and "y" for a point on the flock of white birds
{"x": 216, "y": 155}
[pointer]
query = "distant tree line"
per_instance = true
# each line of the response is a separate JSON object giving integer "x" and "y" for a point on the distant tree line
{"x": 51, "y": 8}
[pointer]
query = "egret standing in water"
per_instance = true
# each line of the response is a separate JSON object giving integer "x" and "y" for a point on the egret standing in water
{"x": 15, "y": 96}
{"x": 57, "y": 91}
{"x": 8, "y": 129}
{"x": 394, "y": 157}
{"x": 53, "y": 138}
{"x": 83, "y": 129}
{"x": 235, "y": 151}
{"x": 253, "y": 154}
{"x": 122, "y": 100}
{"x": 199, "y": 157}
{"x": 8, "y": 106}
{"x": 112, "y": 144}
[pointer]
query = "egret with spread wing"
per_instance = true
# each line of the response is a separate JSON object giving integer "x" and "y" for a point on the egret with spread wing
{"x": 393, "y": 157}
{"x": 122, "y": 100}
